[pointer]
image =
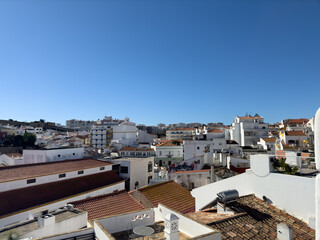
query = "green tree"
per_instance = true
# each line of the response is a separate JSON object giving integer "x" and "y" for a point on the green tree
{"x": 29, "y": 139}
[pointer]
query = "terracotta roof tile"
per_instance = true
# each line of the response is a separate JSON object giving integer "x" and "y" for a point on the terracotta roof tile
{"x": 295, "y": 133}
{"x": 215, "y": 131}
{"x": 269, "y": 139}
{"x": 258, "y": 220}
{"x": 170, "y": 194}
{"x": 18, "y": 172}
{"x": 137, "y": 149}
{"x": 193, "y": 171}
{"x": 21, "y": 199}
{"x": 109, "y": 204}
{"x": 297, "y": 121}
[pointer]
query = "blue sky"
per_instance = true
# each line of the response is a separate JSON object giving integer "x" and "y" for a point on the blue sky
{"x": 158, "y": 61}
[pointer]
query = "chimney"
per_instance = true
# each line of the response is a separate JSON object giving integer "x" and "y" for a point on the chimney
{"x": 284, "y": 232}
{"x": 171, "y": 230}
{"x": 69, "y": 207}
{"x": 46, "y": 220}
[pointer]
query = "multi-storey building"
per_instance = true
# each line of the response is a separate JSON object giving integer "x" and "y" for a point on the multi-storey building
{"x": 79, "y": 124}
{"x": 98, "y": 135}
{"x": 181, "y": 133}
{"x": 248, "y": 130}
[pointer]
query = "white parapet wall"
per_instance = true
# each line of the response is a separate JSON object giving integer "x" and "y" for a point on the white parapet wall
{"x": 293, "y": 194}
{"x": 124, "y": 222}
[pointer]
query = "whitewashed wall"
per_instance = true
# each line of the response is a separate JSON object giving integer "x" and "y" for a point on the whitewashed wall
{"x": 294, "y": 194}
{"x": 124, "y": 222}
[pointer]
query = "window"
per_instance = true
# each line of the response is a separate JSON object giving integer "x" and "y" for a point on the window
{"x": 160, "y": 153}
{"x": 102, "y": 168}
{"x": 123, "y": 169}
{"x": 33, "y": 180}
{"x": 150, "y": 167}
{"x": 198, "y": 148}
{"x": 62, "y": 175}
{"x": 73, "y": 154}
{"x": 80, "y": 172}
{"x": 59, "y": 155}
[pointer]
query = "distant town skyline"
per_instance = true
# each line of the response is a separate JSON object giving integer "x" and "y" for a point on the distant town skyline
{"x": 165, "y": 61}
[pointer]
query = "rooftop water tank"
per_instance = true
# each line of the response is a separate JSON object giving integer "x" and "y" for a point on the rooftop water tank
{"x": 228, "y": 195}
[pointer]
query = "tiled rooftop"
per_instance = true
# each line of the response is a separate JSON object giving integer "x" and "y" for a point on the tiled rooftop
{"x": 170, "y": 194}
{"x": 298, "y": 121}
{"x": 108, "y": 205}
{"x": 295, "y": 133}
{"x": 193, "y": 171}
{"x": 18, "y": 172}
{"x": 136, "y": 149}
{"x": 253, "y": 219}
{"x": 21, "y": 199}
{"x": 269, "y": 139}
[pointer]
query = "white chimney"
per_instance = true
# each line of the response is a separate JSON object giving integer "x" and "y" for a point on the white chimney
{"x": 46, "y": 220}
{"x": 284, "y": 232}
{"x": 171, "y": 230}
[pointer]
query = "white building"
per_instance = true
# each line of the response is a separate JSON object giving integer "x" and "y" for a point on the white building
{"x": 196, "y": 148}
{"x": 136, "y": 152}
{"x": 50, "y": 155}
{"x": 98, "y": 135}
{"x": 248, "y": 130}
{"x": 268, "y": 144}
{"x": 294, "y": 138}
{"x": 125, "y": 134}
{"x": 168, "y": 152}
{"x": 137, "y": 171}
{"x": 181, "y": 133}
{"x": 79, "y": 124}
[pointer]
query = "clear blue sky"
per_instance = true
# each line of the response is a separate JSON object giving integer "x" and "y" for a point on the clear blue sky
{"x": 158, "y": 61}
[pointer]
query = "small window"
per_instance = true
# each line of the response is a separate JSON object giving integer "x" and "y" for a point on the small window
{"x": 59, "y": 155}
{"x": 102, "y": 168}
{"x": 80, "y": 172}
{"x": 73, "y": 154}
{"x": 123, "y": 169}
{"x": 62, "y": 175}
{"x": 198, "y": 148}
{"x": 150, "y": 167}
{"x": 33, "y": 180}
